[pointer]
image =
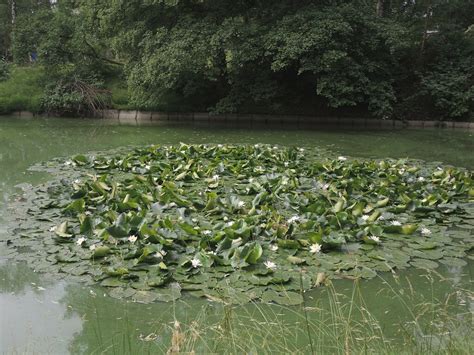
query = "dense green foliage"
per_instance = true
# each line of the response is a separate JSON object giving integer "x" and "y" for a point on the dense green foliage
{"x": 4, "y": 70}
{"x": 403, "y": 59}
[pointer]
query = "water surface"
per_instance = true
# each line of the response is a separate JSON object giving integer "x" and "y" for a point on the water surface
{"x": 43, "y": 314}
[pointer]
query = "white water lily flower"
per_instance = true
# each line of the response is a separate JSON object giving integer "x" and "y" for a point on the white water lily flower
{"x": 226, "y": 218}
{"x": 270, "y": 265}
{"x": 215, "y": 177}
{"x": 396, "y": 223}
{"x": 147, "y": 167}
{"x": 206, "y": 232}
{"x": 92, "y": 247}
{"x": 240, "y": 204}
{"x": 401, "y": 171}
{"x": 80, "y": 241}
{"x": 315, "y": 248}
{"x": 273, "y": 247}
{"x": 160, "y": 254}
{"x": 132, "y": 238}
{"x": 293, "y": 219}
{"x": 219, "y": 145}
{"x": 286, "y": 164}
{"x": 421, "y": 179}
{"x": 236, "y": 242}
{"x": 196, "y": 263}
{"x": 229, "y": 224}
{"x": 425, "y": 231}
{"x": 365, "y": 217}
{"x": 374, "y": 238}
{"x": 341, "y": 158}
{"x": 322, "y": 186}
{"x": 301, "y": 149}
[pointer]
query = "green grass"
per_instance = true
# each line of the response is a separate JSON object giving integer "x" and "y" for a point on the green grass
{"x": 344, "y": 326}
{"x": 335, "y": 323}
{"x": 22, "y": 90}
{"x": 120, "y": 97}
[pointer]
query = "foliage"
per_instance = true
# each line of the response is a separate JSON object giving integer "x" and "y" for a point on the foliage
{"x": 267, "y": 221}
{"x": 71, "y": 95}
{"x": 451, "y": 87}
{"x": 339, "y": 57}
{"x": 4, "y": 70}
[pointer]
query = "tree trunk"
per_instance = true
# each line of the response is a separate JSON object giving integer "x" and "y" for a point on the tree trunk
{"x": 380, "y": 9}
{"x": 13, "y": 9}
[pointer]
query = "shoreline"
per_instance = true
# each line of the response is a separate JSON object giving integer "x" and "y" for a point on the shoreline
{"x": 137, "y": 117}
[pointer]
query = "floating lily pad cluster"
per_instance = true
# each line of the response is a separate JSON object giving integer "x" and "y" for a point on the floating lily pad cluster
{"x": 240, "y": 222}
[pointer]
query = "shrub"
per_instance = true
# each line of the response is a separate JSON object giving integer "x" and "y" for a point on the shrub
{"x": 4, "y": 70}
{"x": 75, "y": 96}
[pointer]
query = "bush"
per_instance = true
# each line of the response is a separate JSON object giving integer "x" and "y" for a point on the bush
{"x": 4, "y": 70}
{"x": 72, "y": 95}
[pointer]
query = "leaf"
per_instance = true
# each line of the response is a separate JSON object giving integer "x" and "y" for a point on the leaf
{"x": 80, "y": 159}
{"x": 100, "y": 252}
{"x": 117, "y": 232}
{"x": 77, "y": 206}
{"x": 255, "y": 253}
{"x": 424, "y": 264}
{"x": 409, "y": 229}
{"x": 295, "y": 260}
{"x": 282, "y": 298}
{"x": 288, "y": 244}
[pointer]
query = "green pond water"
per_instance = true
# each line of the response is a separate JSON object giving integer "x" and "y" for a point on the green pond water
{"x": 44, "y": 314}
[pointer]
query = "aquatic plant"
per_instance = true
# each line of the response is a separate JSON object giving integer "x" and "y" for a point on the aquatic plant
{"x": 236, "y": 223}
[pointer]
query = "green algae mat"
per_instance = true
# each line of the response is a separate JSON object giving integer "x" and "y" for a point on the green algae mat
{"x": 236, "y": 223}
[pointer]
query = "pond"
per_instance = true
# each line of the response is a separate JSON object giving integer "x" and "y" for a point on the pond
{"x": 41, "y": 313}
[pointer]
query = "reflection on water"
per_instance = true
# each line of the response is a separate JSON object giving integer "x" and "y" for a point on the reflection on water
{"x": 47, "y": 316}
{"x": 42, "y": 315}
{"x": 32, "y": 317}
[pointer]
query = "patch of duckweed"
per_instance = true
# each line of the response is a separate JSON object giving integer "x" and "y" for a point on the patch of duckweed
{"x": 236, "y": 223}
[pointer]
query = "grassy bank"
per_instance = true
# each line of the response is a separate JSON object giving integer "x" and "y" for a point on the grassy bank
{"x": 25, "y": 88}
{"x": 22, "y": 90}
